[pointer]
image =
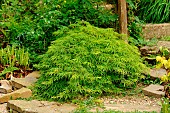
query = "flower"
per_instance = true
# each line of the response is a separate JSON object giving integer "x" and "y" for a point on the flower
{"x": 158, "y": 58}
{"x": 164, "y": 78}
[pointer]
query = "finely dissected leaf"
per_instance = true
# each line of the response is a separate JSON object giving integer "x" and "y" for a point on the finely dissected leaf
{"x": 87, "y": 61}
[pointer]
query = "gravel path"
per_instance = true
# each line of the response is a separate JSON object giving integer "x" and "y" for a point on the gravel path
{"x": 131, "y": 103}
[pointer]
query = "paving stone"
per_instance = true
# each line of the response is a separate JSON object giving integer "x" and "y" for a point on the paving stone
{"x": 146, "y": 50}
{"x": 35, "y": 106}
{"x": 130, "y": 108}
{"x": 35, "y": 74}
{"x": 13, "y": 111}
{"x": 157, "y": 73}
{"x": 23, "y": 82}
{"x": 165, "y": 44}
{"x": 21, "y": 93}
{"x": 3, "y": 108}
{"x": 5, "y": 86}
{"x": 154, "y": 90}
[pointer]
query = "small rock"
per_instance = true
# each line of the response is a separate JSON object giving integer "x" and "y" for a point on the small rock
{"x": 21, "y": 93}
{"x": 165, "y": 44}
{"x": 149, "y": 50}
{"x": 34, "y": 106}
{"x": 35, "y": 74}
{"x": 23, "y": 82}
{"x": 154, "y": 90}
{"x": 5, "y": 86}
{"x": 3, "y": 108}
{"x": 157, "y": 73}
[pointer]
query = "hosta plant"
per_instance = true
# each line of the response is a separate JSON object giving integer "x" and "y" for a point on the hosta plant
{"x": 87, "y": 61}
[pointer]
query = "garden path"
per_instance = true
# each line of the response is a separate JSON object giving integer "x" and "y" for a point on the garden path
{"x": 133, "y": 103}
{"x": 125, "y": 104}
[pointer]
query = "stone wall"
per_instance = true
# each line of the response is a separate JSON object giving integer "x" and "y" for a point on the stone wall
{"x": 156, "y": 30}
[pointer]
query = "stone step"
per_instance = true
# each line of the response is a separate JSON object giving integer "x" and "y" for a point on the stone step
{"x": 5, "y": 86}
{"x": 28, "y": 81}
{"x": 148, "y": 50}
{"x": 157, "y": 73}
{"x": 154, "y": 90}
{"x": 35, "y": 106}
{"x": 21, "y": 93}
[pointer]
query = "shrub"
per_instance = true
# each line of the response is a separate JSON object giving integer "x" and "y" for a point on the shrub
{"x": 31, "y": 23}
{"x": 87, "y": 61}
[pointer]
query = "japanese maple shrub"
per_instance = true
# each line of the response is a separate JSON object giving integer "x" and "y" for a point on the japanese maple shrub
{"x": 87, "y": 61}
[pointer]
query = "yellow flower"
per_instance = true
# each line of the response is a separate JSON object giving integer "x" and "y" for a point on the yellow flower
{"x": 163, "y": 58}
{"x": 158, "y": 58}
{"x": 165, "y": 63}
{"x": 164, "y": 78}
{"x": 168, "y": 74}
{"x": 158, "y": 66}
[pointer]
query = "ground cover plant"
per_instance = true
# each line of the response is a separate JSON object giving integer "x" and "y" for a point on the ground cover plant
{"x": 87, "y": 61}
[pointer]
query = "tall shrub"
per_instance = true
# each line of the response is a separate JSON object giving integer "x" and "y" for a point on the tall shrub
{"x": 87, "y": 61}
{"x": 31, "y": 23}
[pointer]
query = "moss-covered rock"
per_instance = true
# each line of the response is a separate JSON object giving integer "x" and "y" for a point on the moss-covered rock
{"x": 87, "y": 61}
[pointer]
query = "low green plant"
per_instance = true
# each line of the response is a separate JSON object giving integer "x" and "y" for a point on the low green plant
{"x": 165, "y": 105}
{"x": 135, "y": 31}
{"x": 87, "y": 61}
{"x": 134, "y": 24}
{"x": 166, "y": 38}
{"x": 148, "y": 80}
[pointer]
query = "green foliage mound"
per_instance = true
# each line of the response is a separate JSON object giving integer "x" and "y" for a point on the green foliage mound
{"x": 87, "y": 61}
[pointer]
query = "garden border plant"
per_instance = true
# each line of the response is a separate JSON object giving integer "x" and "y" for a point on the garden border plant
{"x": 87, "y": 61}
